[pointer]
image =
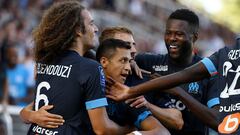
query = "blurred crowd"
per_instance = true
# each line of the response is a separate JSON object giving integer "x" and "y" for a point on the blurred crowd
{"x": 146, "y": 18}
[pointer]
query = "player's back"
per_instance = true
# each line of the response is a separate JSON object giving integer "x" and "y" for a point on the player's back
{"x": 227, "y": 63}
{"x": 68, "y": 84}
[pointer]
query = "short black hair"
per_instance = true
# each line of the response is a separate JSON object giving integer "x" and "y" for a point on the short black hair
{"x": 188, "y": 16}
{"x": 108, "y": 47}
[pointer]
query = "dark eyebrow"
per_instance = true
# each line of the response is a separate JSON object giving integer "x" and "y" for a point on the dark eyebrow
{"x": 130, "y": 43}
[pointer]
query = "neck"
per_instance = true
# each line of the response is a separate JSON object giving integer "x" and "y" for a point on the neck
{"x": 183, "y": 61}
{"x": 78, "y": 47}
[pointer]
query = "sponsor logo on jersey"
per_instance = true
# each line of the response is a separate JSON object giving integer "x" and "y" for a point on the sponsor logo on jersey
{"x": 193, "y": 88}
{"x": 230, "y": 124}
{"x": 230, "y": 108}
{"x": 159, "y": 68}
{"x": 178, "y": 104}
{"x": 43, "y": 131}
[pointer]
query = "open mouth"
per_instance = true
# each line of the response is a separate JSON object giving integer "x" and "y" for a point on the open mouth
{"x": 173, "y": 46}
{"x": 124, "y": 76}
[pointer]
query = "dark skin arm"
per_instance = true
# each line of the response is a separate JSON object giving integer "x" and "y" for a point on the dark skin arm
{"x": 193, "y": 73}
{"x": 208, "y": 116}
{"x": 119, "y": 92}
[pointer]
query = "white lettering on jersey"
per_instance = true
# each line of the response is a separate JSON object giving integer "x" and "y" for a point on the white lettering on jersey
{"x": 234, "y": 54}
{"x": 231, "y": 108}
{"x": 230, "y": 89}
{"x": 40, "y": 130}
{"x": 39, "y": 96}
{"x": 58, "y": 70}
{"x": 178, "y": 104}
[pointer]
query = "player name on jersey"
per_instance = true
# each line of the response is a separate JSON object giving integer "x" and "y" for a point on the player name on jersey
{"x": 57, "y": 70}
{"x": 234, "y": 54}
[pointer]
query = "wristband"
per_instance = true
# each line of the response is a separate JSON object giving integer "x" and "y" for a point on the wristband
{"x": 136, "y": 133}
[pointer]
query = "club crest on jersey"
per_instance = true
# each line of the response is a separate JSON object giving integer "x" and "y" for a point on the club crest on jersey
{"x": 159, "y": 68}
{"x": 193, "y": 88}
{"x": 102, "y": 77}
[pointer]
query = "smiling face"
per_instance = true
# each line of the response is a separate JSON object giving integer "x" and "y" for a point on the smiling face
{"x": 118, "y": 66}
{"x": 178, "y": 39}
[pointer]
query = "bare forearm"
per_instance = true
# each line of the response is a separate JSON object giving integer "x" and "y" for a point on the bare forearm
{"x": 26, "y": 113}
{"x": 169, "y": 117}
{"x": 193, "y": 73}
{"x": 112, "y": 128}
{"x": 151, "y": 126}
{"x": 206, "y": 115}
{"x": 102, "y": 125}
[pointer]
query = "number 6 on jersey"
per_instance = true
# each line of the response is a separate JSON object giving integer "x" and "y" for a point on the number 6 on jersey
{"x": 39, "y": 96}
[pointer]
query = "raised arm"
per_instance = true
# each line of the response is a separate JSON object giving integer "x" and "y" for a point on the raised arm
{"x": 193, "y": 73}
{"x": 119, "y": 92}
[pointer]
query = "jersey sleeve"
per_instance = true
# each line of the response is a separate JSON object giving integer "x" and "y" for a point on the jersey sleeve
{"x": 211, "y": 93}
{"x": 212, "y": 96}
{"x": 211, "y": 64}
{"x": 137, "y": 115}
{"x": 94, "y": 89}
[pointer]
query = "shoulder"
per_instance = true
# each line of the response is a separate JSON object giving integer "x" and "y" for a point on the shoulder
{"x": 89, "y": 64}
{"x": 197, "y": 57}
{"x": 149, "y": 55}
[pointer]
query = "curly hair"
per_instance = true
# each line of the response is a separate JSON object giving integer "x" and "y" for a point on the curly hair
{"x": 56, "y": 31}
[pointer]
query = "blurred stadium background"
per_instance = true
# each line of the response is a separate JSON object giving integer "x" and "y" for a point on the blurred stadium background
{"x": 145, "y": 17}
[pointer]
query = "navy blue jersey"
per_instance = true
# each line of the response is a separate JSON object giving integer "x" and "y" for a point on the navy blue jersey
{"x": 226, "y": 63}
{"x": 72, "y": 84}
{"x": 158, "y": 98}
{"x": 204, "y": 91}
{"x": 123, "y": 114}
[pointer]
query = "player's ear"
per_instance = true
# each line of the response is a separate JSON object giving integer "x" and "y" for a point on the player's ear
{"x": 78, "y": 32}
{"x": 104, "y": 62}
{"x": 195, "y": 37}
